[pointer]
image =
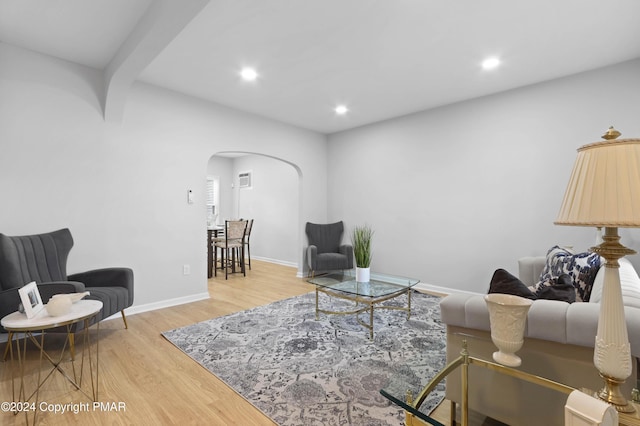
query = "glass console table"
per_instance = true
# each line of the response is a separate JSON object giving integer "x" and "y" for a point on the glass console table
{"x": 366, "y": 295}
{"x": 411, "y": 400}
{"x": 415, "y": 415}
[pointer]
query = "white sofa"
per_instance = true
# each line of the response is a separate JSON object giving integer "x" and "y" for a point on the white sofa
{"x": 559, "y": 341}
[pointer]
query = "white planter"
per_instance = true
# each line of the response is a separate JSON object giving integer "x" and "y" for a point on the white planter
{"x": 507, "y": 315}
{"x": 363, "y": 275}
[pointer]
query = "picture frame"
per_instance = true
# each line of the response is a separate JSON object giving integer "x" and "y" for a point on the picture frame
{"x": 31, "y": 300}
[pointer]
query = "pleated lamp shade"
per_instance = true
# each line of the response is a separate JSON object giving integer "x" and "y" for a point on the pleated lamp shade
{"x": 604, "y": 188}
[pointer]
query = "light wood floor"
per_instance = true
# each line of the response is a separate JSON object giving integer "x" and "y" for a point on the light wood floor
{"x": 155, "y": 381}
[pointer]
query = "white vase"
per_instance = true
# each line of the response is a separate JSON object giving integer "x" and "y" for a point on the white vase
{"x": 508, "y": 316}
{"x": 363, "y": 275}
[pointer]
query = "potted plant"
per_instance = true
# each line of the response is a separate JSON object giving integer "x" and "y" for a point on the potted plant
{"x": 361, "y": 240}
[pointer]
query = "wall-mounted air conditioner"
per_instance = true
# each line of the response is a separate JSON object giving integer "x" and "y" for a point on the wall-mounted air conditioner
{"x": 245, "y": 179}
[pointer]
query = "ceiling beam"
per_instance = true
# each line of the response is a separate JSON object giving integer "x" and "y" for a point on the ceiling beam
{"x": 162, "y": 22}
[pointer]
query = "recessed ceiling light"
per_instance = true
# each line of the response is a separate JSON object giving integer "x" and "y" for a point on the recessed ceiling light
{"x": 341, "y": 109}
{"x": 249, "y": 74}
{"x": 490, "y": 63}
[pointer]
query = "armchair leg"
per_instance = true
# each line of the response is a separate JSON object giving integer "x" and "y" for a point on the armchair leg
{"x": 126, "y": 326}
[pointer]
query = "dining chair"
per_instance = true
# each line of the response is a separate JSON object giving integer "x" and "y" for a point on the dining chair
{"x": 234, "y": 233}
{"x": 246, "y": 243}
{"x": 214, "y": 232}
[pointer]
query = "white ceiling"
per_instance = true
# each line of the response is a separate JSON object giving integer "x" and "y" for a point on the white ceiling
{"x": 382, "y": 58}
{"x": 88, "y": 32}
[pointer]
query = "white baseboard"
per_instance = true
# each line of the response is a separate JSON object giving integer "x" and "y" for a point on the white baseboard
{"x": 137, "y": 309}
{"x": 276, "y": 261}
{"x": 431, "y": 288}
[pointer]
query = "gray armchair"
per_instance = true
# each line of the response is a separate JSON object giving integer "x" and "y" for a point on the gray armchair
{"x": 43, "y": 258}
{"x": 326, "y": 251}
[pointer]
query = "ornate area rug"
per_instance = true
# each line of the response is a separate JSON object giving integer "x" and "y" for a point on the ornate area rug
{"x": 299, "y": 371}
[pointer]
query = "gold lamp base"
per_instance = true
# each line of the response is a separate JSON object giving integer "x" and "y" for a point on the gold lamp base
{"x": 611, "y": 393}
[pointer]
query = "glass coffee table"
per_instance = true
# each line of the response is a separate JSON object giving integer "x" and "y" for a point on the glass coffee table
{"x": 367, "y": 296}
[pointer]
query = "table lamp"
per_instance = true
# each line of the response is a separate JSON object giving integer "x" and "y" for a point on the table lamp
{"x": 604, "y": 191}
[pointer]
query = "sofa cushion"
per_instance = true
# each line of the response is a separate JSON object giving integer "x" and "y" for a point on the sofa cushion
{"x": 503, "y": 282}
{"x": 547, "y": 320}
{"x": 465, "y": 310}
{"x": 581, "y": 267}
{"x": 582, "y": 324}
{"x": 114, "y": 299}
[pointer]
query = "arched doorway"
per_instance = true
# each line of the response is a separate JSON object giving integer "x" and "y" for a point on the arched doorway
{"x": 273, "y": 199}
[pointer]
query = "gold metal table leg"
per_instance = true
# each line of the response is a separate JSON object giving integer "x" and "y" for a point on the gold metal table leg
{"x": 21, "y": 394}
{"x": 370, "y": 303}
{"x": 8, "y": 345}
{"x": 371, "y": 321}
{"x": 87, "y": 347}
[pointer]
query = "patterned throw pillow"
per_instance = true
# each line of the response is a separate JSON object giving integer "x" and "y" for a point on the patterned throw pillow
{"x": 581, "y": 267}
{"x": 560, "y": 288}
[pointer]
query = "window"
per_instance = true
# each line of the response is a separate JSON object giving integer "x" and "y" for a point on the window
{"x": 213, "y": 199}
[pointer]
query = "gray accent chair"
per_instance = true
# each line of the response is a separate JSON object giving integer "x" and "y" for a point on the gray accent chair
{"x": 43, "y": 258}
{"x": 326, "y": 251}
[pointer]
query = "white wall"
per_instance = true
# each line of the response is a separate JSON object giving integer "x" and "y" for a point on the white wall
{"x": 121, "y": 187}
{"x": 273, "y": 202}
{"x": 457, "y": 192}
